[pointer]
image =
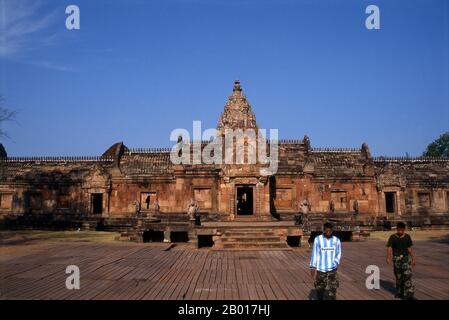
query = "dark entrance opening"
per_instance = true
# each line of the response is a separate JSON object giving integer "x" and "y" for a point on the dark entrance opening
{"x": 390, "y": 205}
{"x": 205, "y": 241}
{"x": 97, "y": 203}
{"x": 179, "y": 236}
{"x": 153, "y": 236}
{"x": 342, "y": 235}
{"x": 386, "y": 225}
{"x": 244, "y": 201}
{"x": 294, "y": 241}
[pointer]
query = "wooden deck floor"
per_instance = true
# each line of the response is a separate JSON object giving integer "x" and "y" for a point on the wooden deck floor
{"x": 147, "y": 271}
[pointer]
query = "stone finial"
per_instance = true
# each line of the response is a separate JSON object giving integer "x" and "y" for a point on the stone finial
{"x": 365, "y": 151}
{"x": 306, "y": 141}
{"x": 237, "y": 113}
{"x": 237, "y": 86}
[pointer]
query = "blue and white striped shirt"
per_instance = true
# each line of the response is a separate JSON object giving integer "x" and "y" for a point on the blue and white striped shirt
{"x": 326, "y": 253}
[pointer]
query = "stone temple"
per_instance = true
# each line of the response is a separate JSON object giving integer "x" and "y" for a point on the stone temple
{"x": 143, "y": 194}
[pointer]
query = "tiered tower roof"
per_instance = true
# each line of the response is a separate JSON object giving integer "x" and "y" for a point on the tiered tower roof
{"x": 237, "y": 113}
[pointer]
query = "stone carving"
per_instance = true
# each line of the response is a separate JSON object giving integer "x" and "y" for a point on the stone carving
{"x": 331, "y": 206}
{"x": 365, "y": 151}
{"x": 301, "y": 217}
{"x": 237, "y": 113}
{"x": 192, "y": 209}
{"x": 137, "y": 207}
{"x": 306, "y": 142}
{"x": 355, "y": 206}
{"x": 304, "y": 206}
{"x": 156, "y": 205}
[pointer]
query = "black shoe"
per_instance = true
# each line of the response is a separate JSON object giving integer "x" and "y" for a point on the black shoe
{"x": 319, "y": 295}
{"x": 410, "y": 298}
{"x": 399, "y": 296}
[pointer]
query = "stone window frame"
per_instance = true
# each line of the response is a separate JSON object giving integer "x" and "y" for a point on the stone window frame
{"x": 91, "y": 203}
{"x": 398, "y": 197}
{"x": 339, "y": 192}
{"x": 10, "y": 208}
{"x": 149, "y": 192}
{"x": 254, "y": 196}
{"x": 424, "y": 192}
{"x": 202, "y": 187}
{"x": 34, "y": 194}
{"x": 293, "y": 207}
{"x": 58, "y": 204}
{"x": 241, "y": 182}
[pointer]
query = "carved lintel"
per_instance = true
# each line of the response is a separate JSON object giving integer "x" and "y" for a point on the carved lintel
{"x": 246, "y": 180}
{"x": 263, "y": 180}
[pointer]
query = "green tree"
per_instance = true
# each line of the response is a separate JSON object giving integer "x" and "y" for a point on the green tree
{"x": 438, "y": 148}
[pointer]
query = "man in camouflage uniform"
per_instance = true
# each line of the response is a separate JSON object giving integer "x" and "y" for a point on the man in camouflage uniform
{"x": 401, "y": 253}
{"x": 324, "y": 262}
{"x": 326, "y": 284}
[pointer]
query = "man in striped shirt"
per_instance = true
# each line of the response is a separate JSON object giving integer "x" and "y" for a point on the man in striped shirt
{"x": 326, "y": 254}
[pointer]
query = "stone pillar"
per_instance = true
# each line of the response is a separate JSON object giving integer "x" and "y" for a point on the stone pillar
{"x": 232, "y": 204}
{"x": 167, "y": 233}
{"x": 257, "y": 194}
{"x": 192, "y": 232}
{"x": 138, "y": 236}
{"x": 138, "y": 230}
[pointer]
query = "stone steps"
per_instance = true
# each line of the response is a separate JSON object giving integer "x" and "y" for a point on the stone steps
{"x": 254, "y": 245}
{"x": 247, "y": 238}
{"x": 251, "y": 239}
{"x": 249, "y": 234}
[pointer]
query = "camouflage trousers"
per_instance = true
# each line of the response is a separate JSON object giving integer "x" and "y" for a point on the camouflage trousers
{"x": 402, "y": 266}
{"x": 326, "y": 284}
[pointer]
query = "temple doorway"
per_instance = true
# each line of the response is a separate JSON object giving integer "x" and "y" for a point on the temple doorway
{"x": 245, "y": 203}
{"x": 97, "y": 203}
{"x": 390, "y": 203}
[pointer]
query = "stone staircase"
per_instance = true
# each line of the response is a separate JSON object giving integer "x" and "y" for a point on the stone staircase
{"x": 250, "y": 238}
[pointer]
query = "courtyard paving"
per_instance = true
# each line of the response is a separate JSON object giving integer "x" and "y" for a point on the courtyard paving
{"x": 108, "y": 270}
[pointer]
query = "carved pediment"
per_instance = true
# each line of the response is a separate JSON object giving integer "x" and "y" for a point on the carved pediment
{"x": 97, "y": 178}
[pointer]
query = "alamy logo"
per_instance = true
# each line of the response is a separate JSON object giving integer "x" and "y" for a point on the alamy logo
{"x": 73, "y": 280}
{"x": 230, "y": 146}
{"x": 373, "y": 280}
{"x": 373, "y": 20}
{"x": 72, "y": 22}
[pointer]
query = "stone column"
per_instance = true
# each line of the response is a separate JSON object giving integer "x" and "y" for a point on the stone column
{"x": 167, "y": 233}
{"x": 192, "y": 232}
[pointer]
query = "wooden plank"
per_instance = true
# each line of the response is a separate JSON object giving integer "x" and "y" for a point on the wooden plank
{"x": 135, "y": 271}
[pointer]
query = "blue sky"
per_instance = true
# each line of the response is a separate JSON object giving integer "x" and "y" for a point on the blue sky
{"x": 136, "y": 70}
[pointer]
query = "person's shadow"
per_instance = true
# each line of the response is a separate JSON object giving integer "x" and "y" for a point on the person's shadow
{"x": 313, "y": 295}
{"x": 388, "y": 286}
{"x": 384, "y": 284}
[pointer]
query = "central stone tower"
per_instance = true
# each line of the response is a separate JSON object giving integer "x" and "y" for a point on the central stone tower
{"x": 237, "y": 113}
{"x": 243, "y": 186}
